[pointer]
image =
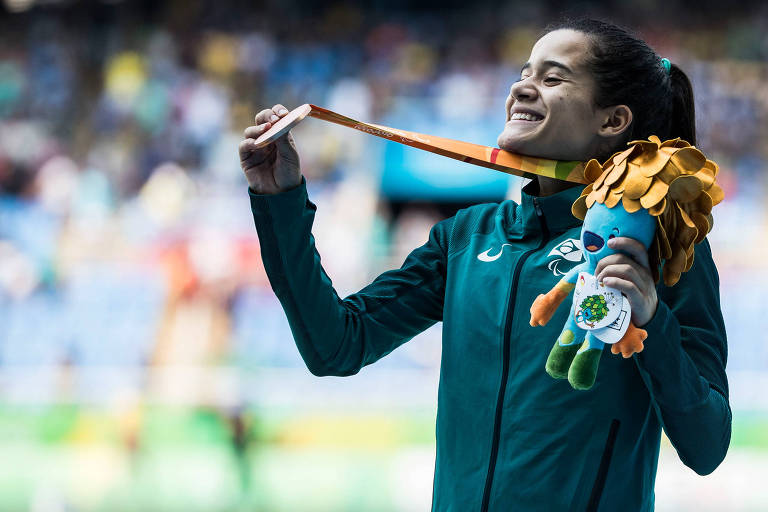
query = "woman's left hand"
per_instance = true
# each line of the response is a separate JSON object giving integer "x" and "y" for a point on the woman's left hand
{"x": 629, "y": 272}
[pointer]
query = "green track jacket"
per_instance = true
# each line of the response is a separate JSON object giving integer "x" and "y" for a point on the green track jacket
{"x": 510, "y": 437}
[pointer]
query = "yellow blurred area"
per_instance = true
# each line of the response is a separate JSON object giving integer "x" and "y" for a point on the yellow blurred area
{"x": 344, "y": 432}
{"x": 124, "y": 77}
{"x": 219, "y": 54}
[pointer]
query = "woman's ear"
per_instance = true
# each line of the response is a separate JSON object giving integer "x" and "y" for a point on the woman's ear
{"x": 616, "y": 119}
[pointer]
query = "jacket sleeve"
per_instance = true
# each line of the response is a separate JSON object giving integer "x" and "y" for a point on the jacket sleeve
{"x": 335, "y": 336}
{"x": 683, "y": 365}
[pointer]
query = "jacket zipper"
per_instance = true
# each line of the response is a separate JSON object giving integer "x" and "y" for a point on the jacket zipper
{"x": 505, "y": 363}
{"x": 602, "y": 472}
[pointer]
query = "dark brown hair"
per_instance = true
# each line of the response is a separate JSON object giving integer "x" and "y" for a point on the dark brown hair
{"x": 629, "y": 72}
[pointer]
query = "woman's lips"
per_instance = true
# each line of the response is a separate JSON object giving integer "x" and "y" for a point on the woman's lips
{"x": 525, "y": 121}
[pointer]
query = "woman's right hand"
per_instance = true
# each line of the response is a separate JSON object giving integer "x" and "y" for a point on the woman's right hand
{"x": 273, "y": 168}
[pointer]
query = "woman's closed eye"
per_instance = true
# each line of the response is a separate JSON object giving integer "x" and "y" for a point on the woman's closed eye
{"x": 549, "y": 80}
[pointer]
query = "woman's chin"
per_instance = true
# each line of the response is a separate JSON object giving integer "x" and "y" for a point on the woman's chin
{"x": 521, "y": 145}
{"x": 511, "y": 142}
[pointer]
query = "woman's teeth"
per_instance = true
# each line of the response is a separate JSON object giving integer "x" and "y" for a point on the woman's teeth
{"x": 526, "y": 117}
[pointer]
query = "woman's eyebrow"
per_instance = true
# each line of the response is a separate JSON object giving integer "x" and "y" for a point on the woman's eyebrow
{"x": 549, "y": 64}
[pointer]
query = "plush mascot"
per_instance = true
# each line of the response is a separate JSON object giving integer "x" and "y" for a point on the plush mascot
{"x": 660, "y": 194}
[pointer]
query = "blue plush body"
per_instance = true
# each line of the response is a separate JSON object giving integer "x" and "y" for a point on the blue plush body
{"x": 600, "y": 224}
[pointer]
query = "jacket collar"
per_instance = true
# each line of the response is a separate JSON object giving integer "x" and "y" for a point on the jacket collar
{"x": 556, "y": 209}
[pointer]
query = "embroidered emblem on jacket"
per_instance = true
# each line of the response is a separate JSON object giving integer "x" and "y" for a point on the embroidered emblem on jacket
{"x": 566, "y": 251}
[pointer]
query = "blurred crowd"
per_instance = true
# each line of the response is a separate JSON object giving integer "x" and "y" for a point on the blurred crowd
{"x": 125, "y": 231}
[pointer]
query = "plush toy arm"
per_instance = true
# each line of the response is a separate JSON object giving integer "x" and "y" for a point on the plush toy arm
{"x": 631, "y": 342}
{"x": 573, "y": 274}
{"x": 545, "y": 305}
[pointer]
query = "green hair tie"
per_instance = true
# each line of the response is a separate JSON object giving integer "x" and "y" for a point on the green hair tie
{"x": 667, "y": 65}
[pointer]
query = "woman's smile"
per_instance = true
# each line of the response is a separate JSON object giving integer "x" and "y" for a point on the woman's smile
{"x": 527, "y": 115}
{"x": 550, "y": 110}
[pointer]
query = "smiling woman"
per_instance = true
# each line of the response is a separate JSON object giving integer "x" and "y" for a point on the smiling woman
{"x": 551, "y": 110}
{"x": 508, "y": 436}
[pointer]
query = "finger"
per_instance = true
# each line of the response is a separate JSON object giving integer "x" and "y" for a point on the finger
{"x": 628, "y": 288}
{"x": 641, "y": 279}
{"x": 632, "y": 247}
{"x": 264, "y": 116}
{"x": 624, "y": 271}
{"x": 279, "y": 110}
{"x": 253, "y": 156}
{"x": 613, "y": 259}
{"x": 286, "y": 148}
{"x": 253, "y": 132}
{"x": 246, "y": 148}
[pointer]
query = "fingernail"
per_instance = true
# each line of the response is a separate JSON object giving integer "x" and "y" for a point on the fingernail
{"x": 283, "y": 112}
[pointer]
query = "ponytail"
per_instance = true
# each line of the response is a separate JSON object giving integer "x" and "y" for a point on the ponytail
{"x": 683, "y": 110}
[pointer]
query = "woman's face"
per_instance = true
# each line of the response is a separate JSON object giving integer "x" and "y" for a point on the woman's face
{"x": 551, "y": 111}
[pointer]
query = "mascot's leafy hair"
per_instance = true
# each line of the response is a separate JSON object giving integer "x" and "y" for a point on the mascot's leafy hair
{"x": 674, "y": 181}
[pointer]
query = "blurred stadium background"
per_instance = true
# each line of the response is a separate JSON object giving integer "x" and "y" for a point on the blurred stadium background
{"x": 145, "y": 363}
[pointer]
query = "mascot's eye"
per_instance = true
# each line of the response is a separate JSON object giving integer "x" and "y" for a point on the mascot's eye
{"x": 611, "y": 236}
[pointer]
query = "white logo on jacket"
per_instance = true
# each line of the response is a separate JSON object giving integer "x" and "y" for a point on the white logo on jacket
{"x": 567, "y": 250}
{"x": 485, "y": 255}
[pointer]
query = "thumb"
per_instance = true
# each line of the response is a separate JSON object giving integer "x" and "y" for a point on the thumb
{"x": 286, "y": 149}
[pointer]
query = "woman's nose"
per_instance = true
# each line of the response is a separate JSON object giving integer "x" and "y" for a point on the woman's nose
{"x": 523, "y": 90}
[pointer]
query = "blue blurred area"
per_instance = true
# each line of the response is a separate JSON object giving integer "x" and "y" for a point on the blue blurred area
{"x": 125, "y": 237}
{"x": 411, "y": 175}
{"x": 260, "y": 330}
{"x": 123, "y": 213}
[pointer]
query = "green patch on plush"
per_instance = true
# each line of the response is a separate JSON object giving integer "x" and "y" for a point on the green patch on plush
{"x": 560, "y": 357}
{"x": 584, "y": 368}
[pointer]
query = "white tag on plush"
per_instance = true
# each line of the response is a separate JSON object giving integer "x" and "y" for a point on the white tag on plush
{"x": 597, "y": 305}
{"x": 613, "y": 333}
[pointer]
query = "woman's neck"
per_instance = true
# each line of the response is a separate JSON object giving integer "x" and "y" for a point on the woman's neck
{"x": 543, "y": 186}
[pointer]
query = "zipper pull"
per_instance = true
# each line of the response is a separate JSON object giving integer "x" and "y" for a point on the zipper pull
{"x": 537, "y": 206}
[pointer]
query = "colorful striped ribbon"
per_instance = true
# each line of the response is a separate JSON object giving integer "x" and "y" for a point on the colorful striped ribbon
{"x": 485, "y": 156}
